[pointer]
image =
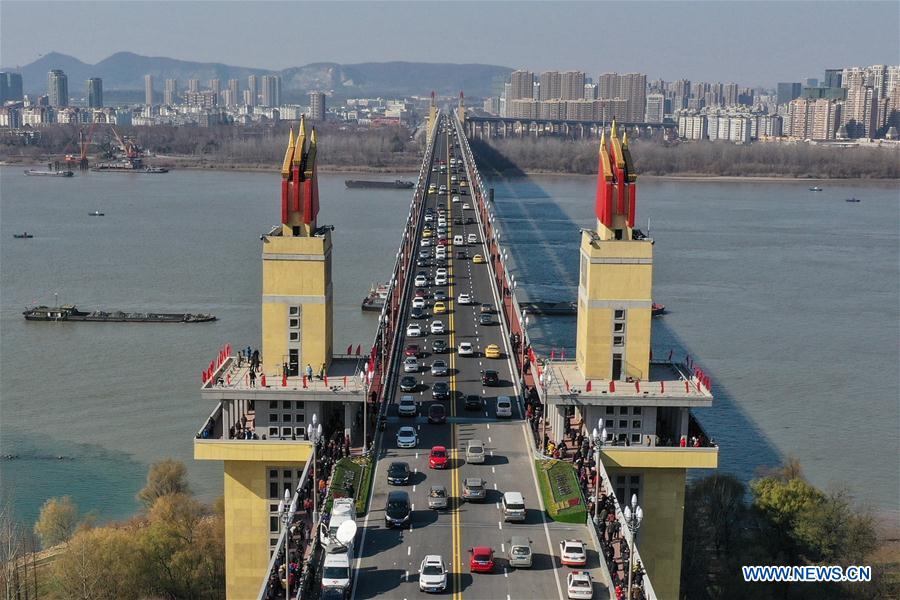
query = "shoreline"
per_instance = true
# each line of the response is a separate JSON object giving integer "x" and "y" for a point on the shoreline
{"x": 172, "y": 163}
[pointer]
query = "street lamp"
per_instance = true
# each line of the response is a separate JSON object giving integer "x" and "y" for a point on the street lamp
{"x": 634, "y": 514}
{"x": 314, "y": 432}
{"x": 598, "y": 437}
{"x": 285, "y": 512}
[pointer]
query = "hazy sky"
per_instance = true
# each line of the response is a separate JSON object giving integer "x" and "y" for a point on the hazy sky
{"x": 747, "y": 42}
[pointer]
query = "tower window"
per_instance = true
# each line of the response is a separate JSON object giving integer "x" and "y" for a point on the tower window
{"x": 295, "y": 230}
{"x": 618, "y": 340}
{"x": 295, "y": 323}
{"x": 294, "y": 310}
{"x": 273, "y": 417}
{"x": 619, "y": 327}
{"x": 620, "y": 314}
{"x": 619, "y": 234}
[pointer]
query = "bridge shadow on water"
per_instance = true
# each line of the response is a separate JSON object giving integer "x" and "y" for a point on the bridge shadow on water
{"x": 543, "y": 241}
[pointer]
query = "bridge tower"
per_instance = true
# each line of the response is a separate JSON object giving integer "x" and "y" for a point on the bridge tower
{"x": 461, "y": 110}
{"x": 432, "y": 115}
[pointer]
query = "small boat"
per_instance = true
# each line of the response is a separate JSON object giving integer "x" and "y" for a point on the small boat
{"x": 376, "y": 298}
{"x": 815, "y": 188}
{"x": 97, "y": 213}
{"x": 23, "y": 236}
{"x": 852, "y": 200}
{"x": 657, "y": 309}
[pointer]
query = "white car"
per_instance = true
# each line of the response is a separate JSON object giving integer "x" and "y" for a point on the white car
{"x": 441, "y": 271}
{"x": 504, "y": 405}
{"x": 406, "y": 407}
{"x": 465, "y": 349}
{"x": 579, "y": 585}
{"x": 572, "y": 553}
{"x": 418, "y": 302}
{"x": 441, "y": 252}
{"x": 407, "y": 438}
{"x": 421, "y": 281}
{"x": 413, "y": 330}
{"x": 458, "y": 240}
{"x": 429, "y": 217}
{"x": 411, "y": 365}
{"x": 473, "y": 239}
{"x": 464, "y": 299}
{"x": 443, "y": 188}
{"x": 467, "y": 206}
{"x": 437, "y": 327}
{"x": 432, "y": 574}
{"x": 440, "y": 279}
{"x": 336, "y": 571}
{"x": 455, "y": 199}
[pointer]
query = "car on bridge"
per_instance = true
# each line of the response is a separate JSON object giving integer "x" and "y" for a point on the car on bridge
{"x": 520, "y": 553}
{"x": 473, "y": 402}
{"x": 413, "y": 330}
{"x": 504, "y": 407}
{"x": 464, "y": 299}
{"x": 398, "y": 473}
{"x": 472, "y": 238}
{"x": 437, "y": 459}
{"x": 439, "y": 308}
{"x": 406, "y": 407}
{"x": 432, "y": 574}
{"x": 437, "y": 327}
{"x": 438, "y": 346}
{"x": 462, "y": 255}
{"x": 485, "y": 319}
{"x": 437, "y": 413}
{"x": 419, "y": 301}
{"x": 439, "y": 368}
{"x": 478, "y": 259}
{"x": 579, "y": 585}
{"x": 473, "y": 489}
{"x": 336, "y": 571}
{"x": 408, "y": 384}
{"x": 455, "y": 199}
{"x": 437, "y": 497}
{"x": 465, "y": 349}
{"x": 410, "y": 364}
{"x": 492, "y": 351}
{"x": 407, "y": 437}
{"x": 440, "y": 295}
{"x": 440, "y": 391}
{"x": 572, "y": 553}
{"x": 490, "y": 377}
{"x": 421, "y": 280}
{"x": 427, "y": 233}
{"x": 426, "y": 242}
{"x": 475, "y": 452}
{"x": 397, "y": 509}
{"x": 418, "y": 313}
{"x": 411, "y": 350}
{"x": 440, "y": 279}
{"x": 482, "y": 560}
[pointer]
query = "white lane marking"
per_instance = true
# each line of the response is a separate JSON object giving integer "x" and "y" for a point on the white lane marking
{"x": 406, "y": 576}
{"x": 505, "y": 574}
{"x": 503, "y": 549}
{"x": 414, "y": 488}
{"x": 498, "y": 504}
{"x": 489, "y": 440}
{"x": 409, "y": 550}
{"x": 488, "y": 426}
{"x": 495, "y": 487}
{"x": 492, "y": 453}
{"x": 416, "y": 470}
{"x": 493, "y": 470}
{"x": 417, "y": 455}
{"x": 500, "y": 525}
{"x": 411, "y": 508}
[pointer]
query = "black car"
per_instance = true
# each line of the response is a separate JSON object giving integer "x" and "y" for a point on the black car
{"x": 398, "y": 473}
{"x": 473, "y": 402}
{"x": 463, "y": 192}
{"x": 437, "y": 413}
{"x": 424, "y": 253}
{"x": 397, "y": 509}
{"x": 462, "y": 255}
{"x": 408, "y": 384}
{"x": 458, "y": 221}
{"x": 470, "y": 220}
{"x": 418, "y": 313}
{"x": 438, "y": 347}
{"x": 440, "y": 295}
{"x": 490, "y": 377}
{"x": 486, "y": 319}
{"x": 421, "y": 262}
{"x": 440, "y": 391}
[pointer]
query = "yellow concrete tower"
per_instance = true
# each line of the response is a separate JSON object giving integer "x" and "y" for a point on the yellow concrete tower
{"x": 296, "y": 290}
{"x": 615, "y": 285}
{"x": 432, "y": 115}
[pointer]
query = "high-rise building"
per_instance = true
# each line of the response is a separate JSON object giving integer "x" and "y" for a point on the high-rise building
{"x": 248, "y": 98}
{"x": 95, "y": 92}
{"x": 608, "y": 86}
{"x": 170, "y": 97}
{"x": 549, "y": 88}
{"x": 787, "y": 92}
{"x": 253, "y": 87}
{"x": 10, "y": 87}
{"x": 633, "y": 87}
{"x": 193, "y": 85}
{"x": 203, "y": 98}
{"x": 317, "y": 106}
{"x": 492, "y": 105}
{"x": 590, "y": 91}
{"x": 216, "y": 86}
{"x": 826, "y": 117}
{"x": 148, "y": 90}
{"x": 58, "y": 88}
{"x": 656, "y": 108}
{"x": 234, "y": 86}
{"x": 832, "y": 78}
{"x": 571, "y": 85}
{"x": 801, "y": 114}
{"x": 860, "y": 111}
{"x": 271, "y": 91}
{"x": 730, "y": 92}
{"x": 521, "y": 85}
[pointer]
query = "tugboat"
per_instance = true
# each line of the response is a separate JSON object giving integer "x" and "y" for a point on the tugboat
{"x": 376, "y": 298}
{"x": 657, "y": 309}
{"x": 97, "y": 213}
{"x": 815, "y": 188}
{"x": 68, "y": 312}
{"x": 23, "y": 236}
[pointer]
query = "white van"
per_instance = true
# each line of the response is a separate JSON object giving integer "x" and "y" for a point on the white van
{"x": 475, "y": 452}
{"x": 458, "y": 240}
{"x": 336, "y": 571}
{"x": 504, "y": 406}
{"x": 513, "y": 506}
{"x": 342, "y": 510}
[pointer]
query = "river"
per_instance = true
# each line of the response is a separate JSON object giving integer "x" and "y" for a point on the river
{"x": 787, "y": 298}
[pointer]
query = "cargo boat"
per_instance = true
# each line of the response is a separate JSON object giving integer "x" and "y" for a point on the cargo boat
{"x": 68, "y": 312}
{"x": 50, "y": 173}
{"x": 376, "y": 298}
{"x": 396, "y": 184}
{"x": 126, "y": 167}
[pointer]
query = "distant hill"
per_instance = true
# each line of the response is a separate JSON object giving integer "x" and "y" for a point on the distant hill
{"x": 124, "y": 71}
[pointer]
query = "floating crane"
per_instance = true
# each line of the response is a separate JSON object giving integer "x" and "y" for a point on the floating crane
{"x": 83, "y": 145}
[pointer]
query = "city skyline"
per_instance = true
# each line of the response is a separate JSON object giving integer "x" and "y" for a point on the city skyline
{"x": 667, "y": 48}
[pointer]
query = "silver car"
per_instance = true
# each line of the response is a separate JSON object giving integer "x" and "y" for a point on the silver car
{"x": 473, "y": 489}
{"x": 520, "y": 554}
{"x": 437, "y": 497}
{"x": 439, "y": 368}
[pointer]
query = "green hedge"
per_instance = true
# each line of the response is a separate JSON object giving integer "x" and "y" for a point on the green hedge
{"x": 356, "y": 470}
{"x": 561, "y": 491}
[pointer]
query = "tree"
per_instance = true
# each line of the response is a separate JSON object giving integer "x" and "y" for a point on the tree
{"x": 165, "y": 477}
{"x": 57, "y": 521}
{"x": 100, "y": 564}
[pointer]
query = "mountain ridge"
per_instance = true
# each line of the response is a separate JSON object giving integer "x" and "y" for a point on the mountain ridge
{"x": 124, "y": 71}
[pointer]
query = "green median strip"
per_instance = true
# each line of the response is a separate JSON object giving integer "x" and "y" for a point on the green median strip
{"x": 561, "y": 491}
{"x": 351, "y": 471}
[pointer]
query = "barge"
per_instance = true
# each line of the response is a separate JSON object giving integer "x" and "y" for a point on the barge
{"x": 396, "y": 184}
{"x": 68, "y": 312}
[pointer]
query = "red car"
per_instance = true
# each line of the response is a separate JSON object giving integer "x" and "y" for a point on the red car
{"x": 411, "y": 350}
{"x": 482, "y": 560}
{"x": 438, "y": 458}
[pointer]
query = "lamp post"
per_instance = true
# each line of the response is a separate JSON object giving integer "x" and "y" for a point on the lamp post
{"x": 284, "y": 513}
{"x": 314, "y": 432}
{"x": 634, "y": 514}
{"x": 598, "y": 438}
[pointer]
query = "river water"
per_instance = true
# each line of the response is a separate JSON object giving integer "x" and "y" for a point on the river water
{"x": 787, "y": 298}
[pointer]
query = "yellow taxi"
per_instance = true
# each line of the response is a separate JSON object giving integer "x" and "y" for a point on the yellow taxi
{"x": 426, "y": 233}
{"x": 492, "y": 351}
{"x": 439, "y": 308}
{"x": 478, "y": 259}
{"x": 432, "y": 188}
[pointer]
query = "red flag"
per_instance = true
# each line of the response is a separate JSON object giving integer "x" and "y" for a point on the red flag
{"x": 325, "y": 378}
{"x": 358, "y": 349}
{"x": 612, "y": 385}
{"x": 687, "y": 386}
{"x": 304, "y": 382}
{"x": 262, "y": 380}
{"x": 662, "y": 387}
{"x": 567, "y": 385}
{"x": 350, "y": 349}
{"x": 203, "y": 376}
{"x": 637, "y": 386}
{"x": 587, "y": 388}
{"x": 284, "y": 379}
{"x": 552, "y": 354}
